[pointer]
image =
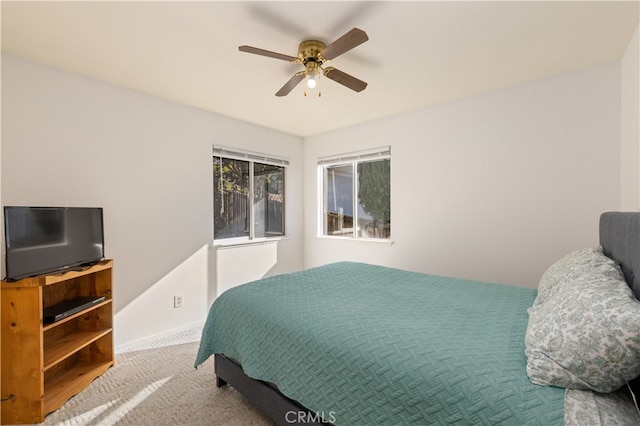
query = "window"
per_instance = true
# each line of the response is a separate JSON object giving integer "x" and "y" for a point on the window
{"x": 356, "y": 194}
{"x": 248, "y": 195}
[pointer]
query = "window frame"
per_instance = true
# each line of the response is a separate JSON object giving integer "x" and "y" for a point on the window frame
{"x": 353, "y": 159}
{"x": 251, "y": 158}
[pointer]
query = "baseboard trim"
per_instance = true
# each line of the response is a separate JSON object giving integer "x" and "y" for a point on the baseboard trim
{"x": 144, "y": 342}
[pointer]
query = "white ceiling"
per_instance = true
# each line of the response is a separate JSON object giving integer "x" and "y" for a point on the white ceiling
{"x": 418, "y": 53}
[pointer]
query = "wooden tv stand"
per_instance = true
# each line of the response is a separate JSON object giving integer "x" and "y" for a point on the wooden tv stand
{"x": 43, "y": 365}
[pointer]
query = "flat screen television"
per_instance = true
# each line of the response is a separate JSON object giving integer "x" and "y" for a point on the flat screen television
{"x": 42, "y": 240}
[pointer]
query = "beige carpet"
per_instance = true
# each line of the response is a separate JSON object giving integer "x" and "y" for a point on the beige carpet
{"x": 158, "y": 385}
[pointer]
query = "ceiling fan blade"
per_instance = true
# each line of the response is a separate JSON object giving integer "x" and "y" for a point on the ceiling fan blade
{"x": 348, "y": 41}
{"x": 293, "y": 82}
{"x": 270, "y": 54}
{"x": 345, "y": 79}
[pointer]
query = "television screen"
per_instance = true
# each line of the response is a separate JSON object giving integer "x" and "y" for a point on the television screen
{"x": 40, "y": 240}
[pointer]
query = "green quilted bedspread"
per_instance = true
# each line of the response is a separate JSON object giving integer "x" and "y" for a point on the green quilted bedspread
{"x": 370, "y": 345}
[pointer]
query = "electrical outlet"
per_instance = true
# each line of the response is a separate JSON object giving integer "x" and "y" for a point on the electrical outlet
{"x": 178, "y": 300}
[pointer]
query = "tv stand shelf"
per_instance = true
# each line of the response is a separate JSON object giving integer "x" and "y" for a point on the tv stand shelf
{"x": 69, "y": 345}
{"x": 43, "y": 365}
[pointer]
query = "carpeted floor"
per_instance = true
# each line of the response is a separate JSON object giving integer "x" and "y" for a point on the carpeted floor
{"x": 158, "y": 385}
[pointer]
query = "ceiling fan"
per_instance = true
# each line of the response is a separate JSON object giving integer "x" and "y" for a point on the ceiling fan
{"x": 312, "y": 54}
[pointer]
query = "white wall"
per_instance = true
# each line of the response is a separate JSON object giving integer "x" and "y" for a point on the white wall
{"x": 493, "y": 187}
{"x": 630, "y": 127}
{"x": 68, "y": 140}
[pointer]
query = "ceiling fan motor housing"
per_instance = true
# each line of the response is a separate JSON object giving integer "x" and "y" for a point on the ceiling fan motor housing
{"x": 309, "y": 55}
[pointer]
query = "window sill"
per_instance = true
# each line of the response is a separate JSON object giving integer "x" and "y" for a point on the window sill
{"x": 359, "y": 240}
{"x": 239, "y": 243}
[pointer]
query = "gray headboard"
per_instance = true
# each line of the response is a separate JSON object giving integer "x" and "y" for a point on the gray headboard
{"x": 620, "y": 238}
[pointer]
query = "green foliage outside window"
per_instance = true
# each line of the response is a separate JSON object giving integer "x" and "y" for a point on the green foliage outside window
{"x": 374, "y": 189}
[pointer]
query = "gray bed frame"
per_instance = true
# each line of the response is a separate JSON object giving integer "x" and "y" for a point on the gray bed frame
{"x": 619, "y": 236}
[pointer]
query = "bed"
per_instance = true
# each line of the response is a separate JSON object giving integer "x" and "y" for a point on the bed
{"x": 359, "y": 344}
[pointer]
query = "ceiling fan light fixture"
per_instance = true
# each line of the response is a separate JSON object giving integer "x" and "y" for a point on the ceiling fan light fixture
{"x": 311, "y": 81}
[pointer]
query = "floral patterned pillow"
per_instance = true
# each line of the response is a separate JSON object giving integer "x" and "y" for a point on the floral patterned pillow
{"x": 585, "y": 407}
{"x": 586, "y": 336}
{"x": 573, "y": 266}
